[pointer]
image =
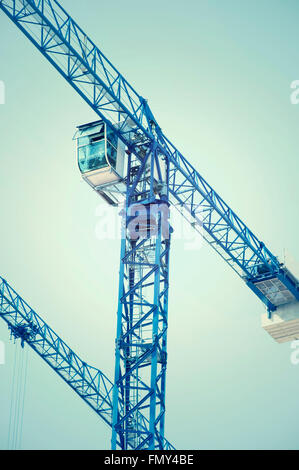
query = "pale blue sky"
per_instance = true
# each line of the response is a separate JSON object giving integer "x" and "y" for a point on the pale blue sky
{"x": 217, "y": 75}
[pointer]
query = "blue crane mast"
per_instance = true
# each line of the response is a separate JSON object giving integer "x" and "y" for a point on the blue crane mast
{"x": 126, "y": 158}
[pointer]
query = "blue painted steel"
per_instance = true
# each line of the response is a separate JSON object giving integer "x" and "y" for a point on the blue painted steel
{"x": 24, "y": 323}
{"x": 140, "y": 366}
{"x": 89, "y": 383}
{"x": 139, "y": 388}
{"x": 84, "y": 66}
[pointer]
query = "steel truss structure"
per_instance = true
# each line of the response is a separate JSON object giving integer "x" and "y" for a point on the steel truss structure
{"x": 141, "y": 357}
{"x": 157, "y": 175}
{"x": 92, "y": 385}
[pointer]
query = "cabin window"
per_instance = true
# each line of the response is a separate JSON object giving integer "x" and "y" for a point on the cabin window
{"x": 91, "y": 153}
{"x": 97, "y": 148}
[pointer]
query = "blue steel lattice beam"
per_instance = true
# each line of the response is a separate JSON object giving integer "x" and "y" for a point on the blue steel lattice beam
{"x": 88, "y": 382}
{"x": 91, "y": 74}
{"x": 84, "y": 66}
{"x": 141, "y": 358}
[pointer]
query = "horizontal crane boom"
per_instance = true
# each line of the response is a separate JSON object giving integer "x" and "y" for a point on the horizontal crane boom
{"x": 103, "y": 87}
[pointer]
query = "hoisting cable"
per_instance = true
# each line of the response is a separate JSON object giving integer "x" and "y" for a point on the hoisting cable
{"x": 18, "y": 388}
{"x": 24, "y": 394}
{"x": 17, "y": 398}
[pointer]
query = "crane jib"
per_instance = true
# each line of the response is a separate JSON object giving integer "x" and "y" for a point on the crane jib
{"x": 110, "y": 95}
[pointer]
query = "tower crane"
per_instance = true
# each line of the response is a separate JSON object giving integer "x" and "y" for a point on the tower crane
{"x": 126, "y": 158}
